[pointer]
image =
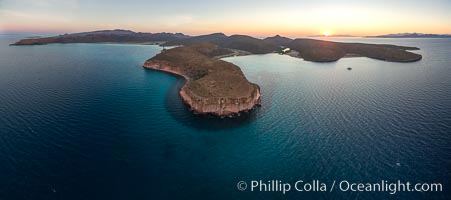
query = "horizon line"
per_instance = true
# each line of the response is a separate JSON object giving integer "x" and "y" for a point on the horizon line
{"x": 57, "y": 32}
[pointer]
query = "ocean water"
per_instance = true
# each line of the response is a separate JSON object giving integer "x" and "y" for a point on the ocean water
{"x": 86, "y": 121}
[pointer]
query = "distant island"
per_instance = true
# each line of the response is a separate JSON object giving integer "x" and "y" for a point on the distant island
{"x": 413, "y": 35}
{"x": 214, "y": 86}
{"x": 104, "y": 36}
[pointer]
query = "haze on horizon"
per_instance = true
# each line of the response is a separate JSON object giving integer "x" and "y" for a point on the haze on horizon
{"x": 252, "y": 17}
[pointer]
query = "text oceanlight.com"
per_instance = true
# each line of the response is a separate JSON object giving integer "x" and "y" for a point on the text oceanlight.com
{"x": 341, "y": 185}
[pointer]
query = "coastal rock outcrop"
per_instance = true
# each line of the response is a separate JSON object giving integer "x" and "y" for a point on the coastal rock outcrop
{"x": 212, "y": 86}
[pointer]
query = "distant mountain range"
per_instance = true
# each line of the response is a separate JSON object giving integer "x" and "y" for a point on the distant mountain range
{"x": 413, "y": 35}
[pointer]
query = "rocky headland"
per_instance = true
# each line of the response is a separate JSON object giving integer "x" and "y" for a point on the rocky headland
{"x": 213, "y": 86}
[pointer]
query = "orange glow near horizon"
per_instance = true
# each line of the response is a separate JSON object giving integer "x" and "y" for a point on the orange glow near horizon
{"x": 254, "y": 30}
{"x": 291, "y": 18}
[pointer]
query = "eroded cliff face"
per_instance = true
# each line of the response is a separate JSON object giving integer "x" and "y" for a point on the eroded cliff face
{"x": 221, "y": 104}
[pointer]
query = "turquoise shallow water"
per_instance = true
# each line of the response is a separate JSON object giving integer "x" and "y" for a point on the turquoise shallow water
{"x": 86, "y": 121}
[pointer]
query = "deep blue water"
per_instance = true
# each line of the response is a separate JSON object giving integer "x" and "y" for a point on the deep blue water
{"x": 86, "y": 121}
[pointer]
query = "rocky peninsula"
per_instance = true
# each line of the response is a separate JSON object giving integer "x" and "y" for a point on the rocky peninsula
{"x": 213, "y": 86}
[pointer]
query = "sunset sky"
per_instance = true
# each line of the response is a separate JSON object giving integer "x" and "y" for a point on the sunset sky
{"x": 252, "y": 17}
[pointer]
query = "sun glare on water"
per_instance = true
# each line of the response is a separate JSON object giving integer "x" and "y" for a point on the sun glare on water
{"x": 326, "y": 33}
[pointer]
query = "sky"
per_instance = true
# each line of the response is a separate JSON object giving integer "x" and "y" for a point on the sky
{"x": 251, "y": 17}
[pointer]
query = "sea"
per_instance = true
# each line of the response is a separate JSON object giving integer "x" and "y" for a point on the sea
{"x": 87, "y": 121}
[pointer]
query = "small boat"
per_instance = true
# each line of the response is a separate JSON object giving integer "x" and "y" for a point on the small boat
{"x": 349, "y": 68}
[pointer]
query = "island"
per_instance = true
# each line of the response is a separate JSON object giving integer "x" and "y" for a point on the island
{"x": 213, "y": 86}
{"x": 219, "y": 88}
{"x": 305, "y": 48}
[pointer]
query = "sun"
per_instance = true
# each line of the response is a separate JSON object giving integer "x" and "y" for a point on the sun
{"x": 326, "y": 33}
